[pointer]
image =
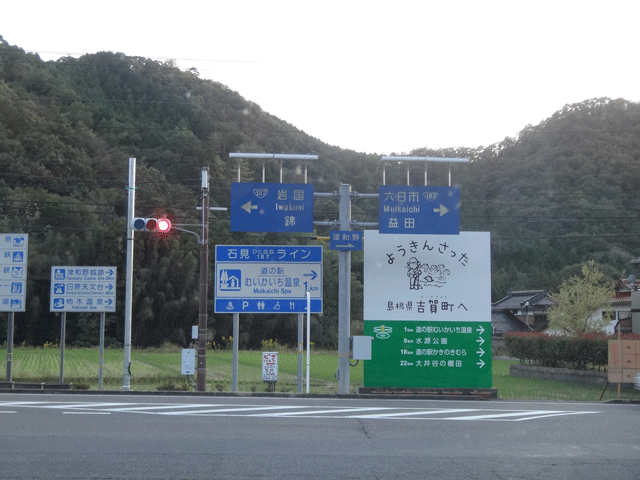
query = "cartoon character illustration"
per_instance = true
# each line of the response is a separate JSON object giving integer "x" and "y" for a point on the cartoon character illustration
{"x": 414, "y": 271}
{"x": 435, "y": 275}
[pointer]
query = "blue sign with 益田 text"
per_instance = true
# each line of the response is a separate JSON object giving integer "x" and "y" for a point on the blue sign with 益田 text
{"x": 420, "y": 210}
{"x": 271, "y": 207}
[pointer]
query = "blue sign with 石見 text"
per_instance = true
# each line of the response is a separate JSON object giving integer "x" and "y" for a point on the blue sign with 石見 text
{"x": 268, "y": 278}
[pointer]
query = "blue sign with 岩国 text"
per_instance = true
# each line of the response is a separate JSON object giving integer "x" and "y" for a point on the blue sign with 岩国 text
{"x": 271, "y": 207}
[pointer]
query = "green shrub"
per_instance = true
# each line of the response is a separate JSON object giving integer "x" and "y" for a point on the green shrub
{"x": 585, "y": 351}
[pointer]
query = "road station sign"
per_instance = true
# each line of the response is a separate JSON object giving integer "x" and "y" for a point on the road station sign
{"x": 13, "y": 271}
{"x": 83, "y": 289}
{"x": 421, "y": 210}
{"x": 345, "y": 240}
{"x": 427, "y": 305}
{"x": 268, "y": 278}
{"x": 271, "y": 207}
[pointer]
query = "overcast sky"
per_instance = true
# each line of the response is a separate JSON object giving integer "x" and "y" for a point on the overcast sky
{"x": 375, "y": 77}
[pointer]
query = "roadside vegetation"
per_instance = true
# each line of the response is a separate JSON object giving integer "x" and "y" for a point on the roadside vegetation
{"x": 156, "y": 369}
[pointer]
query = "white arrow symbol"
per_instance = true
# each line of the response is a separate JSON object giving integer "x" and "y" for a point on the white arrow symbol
{"x": 442, "y": 210}
{"x": 480, "y": 341}
{"x": 480, "y": 329}
{"x": 480, "y": 351}
{"x": 248, "y": 207}
{"x": 481, "y": 363}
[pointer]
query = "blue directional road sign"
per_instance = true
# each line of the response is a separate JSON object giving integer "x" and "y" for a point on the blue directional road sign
{"x": 268, "y": 278}
{"x": 13, "y": 271}
{"x": 345, "y": 240}
{"x": 271, "y": 207}
{"x": 83, "y": 289}
{"x": 419, "y": 210}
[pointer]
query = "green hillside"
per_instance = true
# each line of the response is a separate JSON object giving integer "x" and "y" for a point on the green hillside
{"x": 559, "y": 194}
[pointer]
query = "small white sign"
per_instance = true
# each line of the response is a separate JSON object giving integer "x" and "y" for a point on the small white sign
{"x": 427, "y": 277}
{"x": 269, "y": 366}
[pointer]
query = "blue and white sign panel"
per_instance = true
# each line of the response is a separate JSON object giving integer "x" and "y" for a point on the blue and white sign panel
{"x": 83, "y": 289}
{"x": 345, "y": 240}
{"x": 13, "y": 271}
{"x": 419, "y": 210}
{"x": 271, "y": 207}
{"x": 268, "y": 278}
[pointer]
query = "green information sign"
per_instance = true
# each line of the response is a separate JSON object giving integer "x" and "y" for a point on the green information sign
{"x": 428, "y": 354}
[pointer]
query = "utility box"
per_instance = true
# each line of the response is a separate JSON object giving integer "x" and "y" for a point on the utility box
{"x": 188, "y": 361}
{"x": 361, "y": 347}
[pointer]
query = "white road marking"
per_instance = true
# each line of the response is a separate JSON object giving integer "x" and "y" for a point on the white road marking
{"x": 310, "y": 411}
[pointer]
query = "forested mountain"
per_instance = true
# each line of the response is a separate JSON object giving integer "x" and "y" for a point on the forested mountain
{"x": 559, "y": 194}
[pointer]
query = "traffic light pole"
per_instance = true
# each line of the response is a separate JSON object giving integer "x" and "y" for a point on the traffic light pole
{"x": 204, "y": 285}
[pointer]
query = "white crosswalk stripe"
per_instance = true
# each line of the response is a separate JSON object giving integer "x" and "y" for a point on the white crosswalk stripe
{"x": 290, "y": 411}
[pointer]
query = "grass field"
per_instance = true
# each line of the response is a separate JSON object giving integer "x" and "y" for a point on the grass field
{"x": 159, "y": 369}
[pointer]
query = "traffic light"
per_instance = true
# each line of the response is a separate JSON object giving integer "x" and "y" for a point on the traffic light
{"x": 161, "y": 226}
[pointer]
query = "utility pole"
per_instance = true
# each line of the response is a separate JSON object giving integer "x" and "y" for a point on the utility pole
{"x": 204, "y": 285}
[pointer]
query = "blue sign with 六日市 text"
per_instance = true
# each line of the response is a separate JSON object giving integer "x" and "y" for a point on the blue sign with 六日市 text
{"x": 271, "y": 207}
{"x": 420, "y": 210}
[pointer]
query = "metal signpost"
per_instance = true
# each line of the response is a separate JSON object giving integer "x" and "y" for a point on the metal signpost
{"x": 427, "y": 305}
{"x": 13, "y": 283}
{"x": 271, "y": 207}
{"x": 82, "y": 289}
{"x": 268, "y": 278}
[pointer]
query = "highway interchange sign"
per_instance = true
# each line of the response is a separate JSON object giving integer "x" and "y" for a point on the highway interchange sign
{"x": 268, "y": 278}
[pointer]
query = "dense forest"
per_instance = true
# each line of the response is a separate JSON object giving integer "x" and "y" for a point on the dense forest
{"x": 559, "y": 194}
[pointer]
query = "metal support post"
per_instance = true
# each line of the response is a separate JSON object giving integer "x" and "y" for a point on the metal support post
{"x": 128, "y": 305}
{"x": 63, "y": 328}
{"x": 204, "y": 286}
{"x": 300, "y": 341}
{"x": 10, "y": 324}
{"x": 101, "y": 365}
{"x": 344, "y": 299}
{"x": 236, "y": 342}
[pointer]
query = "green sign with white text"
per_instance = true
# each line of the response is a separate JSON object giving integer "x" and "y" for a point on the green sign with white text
{"x": 424, "y": 354}
{"x": 427, "y": 306}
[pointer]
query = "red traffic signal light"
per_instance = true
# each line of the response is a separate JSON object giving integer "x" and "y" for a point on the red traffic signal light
{"x": 163, "y": 225}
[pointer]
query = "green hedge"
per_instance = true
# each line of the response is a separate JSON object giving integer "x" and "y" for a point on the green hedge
{"x": 587, "y": 351}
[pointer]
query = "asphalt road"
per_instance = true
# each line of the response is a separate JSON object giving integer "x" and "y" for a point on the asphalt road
{"x": 184, "y": 437}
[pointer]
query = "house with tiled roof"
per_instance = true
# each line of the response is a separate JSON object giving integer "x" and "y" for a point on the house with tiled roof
{"x": 521, "y": 311}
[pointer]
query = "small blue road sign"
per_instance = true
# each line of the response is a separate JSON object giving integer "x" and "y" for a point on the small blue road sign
{"x": 268, "y": 278}
{"x": 83, "y": 289}
{"x": 345, "y": 240}
{"x": 421, "y": 210}
{"x": 271, "y": 207}
{"x": 13, "y": 271}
